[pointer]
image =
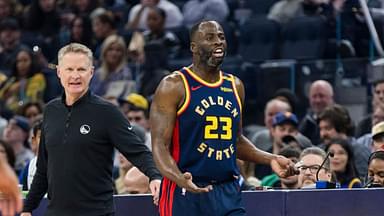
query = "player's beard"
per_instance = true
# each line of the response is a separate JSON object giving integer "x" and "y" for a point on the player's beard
{"x": 207, "y": 58}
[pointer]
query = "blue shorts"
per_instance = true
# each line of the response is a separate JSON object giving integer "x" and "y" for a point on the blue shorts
{"x": 223, "y": 200}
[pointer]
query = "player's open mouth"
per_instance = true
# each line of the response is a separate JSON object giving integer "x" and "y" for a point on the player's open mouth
{"x": 218, "y": 53}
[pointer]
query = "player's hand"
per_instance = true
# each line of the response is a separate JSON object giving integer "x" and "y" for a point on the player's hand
{"x": 187, "y": 184}
{"x": 10, "y": 197}
{"x": 154, "y": 186}
{"x": 25, "y": 214}
{"x": 283, "y": 167}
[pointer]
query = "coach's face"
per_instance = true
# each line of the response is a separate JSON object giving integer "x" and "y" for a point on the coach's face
{"x": 75, "y": 71}
{"x": 209, "y": 44}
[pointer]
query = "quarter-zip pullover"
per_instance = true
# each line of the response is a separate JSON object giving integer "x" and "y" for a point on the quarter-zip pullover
{"x": 75, "y": 158}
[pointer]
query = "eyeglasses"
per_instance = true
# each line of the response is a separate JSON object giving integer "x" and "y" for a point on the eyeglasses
{"x": 312, "y": 169}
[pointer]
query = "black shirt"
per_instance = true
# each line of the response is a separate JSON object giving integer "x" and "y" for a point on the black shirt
{"x": 75, "y": 158}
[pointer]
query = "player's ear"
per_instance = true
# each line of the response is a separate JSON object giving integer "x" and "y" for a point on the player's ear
{"x": 193, "y": 47}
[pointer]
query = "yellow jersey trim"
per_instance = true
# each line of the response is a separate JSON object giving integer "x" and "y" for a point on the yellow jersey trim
{"x": 236, "y": 93}
{"x": 187, "y": 94}
{"x": 197, "y": 78}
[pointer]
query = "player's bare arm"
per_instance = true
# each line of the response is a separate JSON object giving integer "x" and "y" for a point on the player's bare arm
{"x": 248, "y": 152}
{"x": 168, "y": 97}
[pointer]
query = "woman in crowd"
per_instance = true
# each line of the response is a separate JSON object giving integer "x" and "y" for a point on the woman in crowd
{"x": 80, "y": 31}
{"x": 111, "y": 77}
{"x": 376, "y": 169}
{"x": 342, "y": 163}
{"x": 26, "y": 83}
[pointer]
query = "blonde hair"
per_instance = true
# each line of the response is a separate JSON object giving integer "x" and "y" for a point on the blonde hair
{"x": 112, "y": 39}
{"x": 75, "y": 48}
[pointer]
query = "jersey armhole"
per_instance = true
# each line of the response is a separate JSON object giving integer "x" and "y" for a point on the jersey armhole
{"x": 236, "y": 93}
{"x": 187, "y": 96}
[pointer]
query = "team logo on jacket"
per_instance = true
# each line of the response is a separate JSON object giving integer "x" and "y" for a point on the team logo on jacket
{"x": 85, "y": 129}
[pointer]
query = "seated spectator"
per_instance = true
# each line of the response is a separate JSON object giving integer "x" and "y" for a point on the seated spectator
{"x": 10, "y": 44}
{"x": 113, "y": 77}
{"x": 43, "y": 20}
{"x": 138, "y": 14}
{"x": 310, "y": 161}
{"x": 377, "y": 137}
{"x": 284, "y": 123}
{"x": 138, "y": 115}
{"x": 136, "y": 182}
{"x": 28, "y": 173}
{"x": 124, "y": 167}
{"x": 26, "y": 83}
{"x": 195, "y": 11}
{"x": 376, "y": 169}
{"x": 263, "y": 139}
{"x": 343, "y": 163}
{"x": 290, "y": 182}
{"x": 157, "y": 34}
{"x": 288, "y": 96}
{"x": 133, "y": 100}
{"x": 33, "y": 111}
{"x": 7, "y": 153}
{"x": 335, "y": 123}
{"x": 103, "y": 26}
{"x": 320, "y": 96}
{"x": 16, "y": 134}
{"x": 80, "y": 31}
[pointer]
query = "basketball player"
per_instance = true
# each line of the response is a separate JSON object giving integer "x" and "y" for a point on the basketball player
{"x": 196, "y": 133}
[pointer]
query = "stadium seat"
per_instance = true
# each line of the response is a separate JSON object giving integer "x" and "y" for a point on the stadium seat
{"x": 259, "y": 39}
{"x": 304, "y": 38}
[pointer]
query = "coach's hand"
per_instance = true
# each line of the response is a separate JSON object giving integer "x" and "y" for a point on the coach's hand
{"x": 187, "y": 184}
{"x": 25, "y": 214}
{"x": 154, "y": 186}
{"x": 283, "y": 167}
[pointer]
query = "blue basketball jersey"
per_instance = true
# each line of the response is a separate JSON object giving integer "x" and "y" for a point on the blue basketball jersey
{"x": 205, "y": 132}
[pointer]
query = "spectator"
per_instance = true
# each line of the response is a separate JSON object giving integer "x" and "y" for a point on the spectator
{"x": 343, "y": 163}
{"x": 133, "y": 100}
{"x": 9, "y": 8}
{"x": 26, "y": 83}
{"x": 195, "y": 11}
{"x": 124, "y": 167}
{"x": 138, "y": 115}
{"x": 377, "y": 137}
{"x": 136, "y": 182}
{"x": 376, "y": 169}
{"x": 103, "y": 25}
{"x": 43, "y": 20}
{"x": 284, "y": 124}
{"x": 288, "y": 96}
{"x": 310, "y": 161}
{"x": 80, "y": 31}
{"x": 10, "y": 44}
{"x": 320, "y": 96}
{"x": 290, "y": 182}
{"x": 28, "y": 173}
{"x": 263, "y": 139}
{"x": 156, "y": 32}
{"x": 139, "y": 13}
{"x": 335, "y": 123}
{"x": 32, "y": 111}
{"x": 365, "y": 125}
{"x": 16, "y": 134}
{"x": 111, "y": 78}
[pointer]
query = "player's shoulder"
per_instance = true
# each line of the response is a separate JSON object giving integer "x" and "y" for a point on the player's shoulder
{"x": 176, "y": 77}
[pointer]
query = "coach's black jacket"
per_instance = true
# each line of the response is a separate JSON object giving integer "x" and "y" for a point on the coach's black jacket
{"x": 76, "y": 157}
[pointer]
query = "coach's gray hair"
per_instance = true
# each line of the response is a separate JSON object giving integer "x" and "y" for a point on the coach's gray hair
{"x": 316, "y": 151}
{"x": 75, "y": 48}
